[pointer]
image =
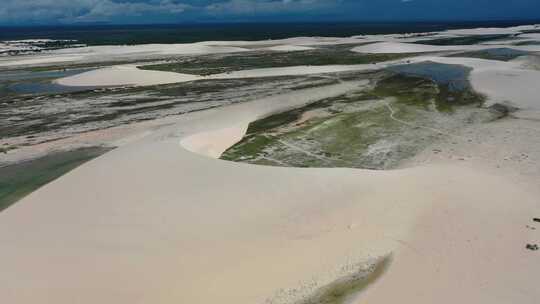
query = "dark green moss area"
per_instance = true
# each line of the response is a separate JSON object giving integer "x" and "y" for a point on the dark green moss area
{"x": 466, "y": 40}
{"x": 19, "y": 180}
{"x": 259, "y": 134}
{"x": 341, "y": 137}
{"x": 410, "y": 90}
{"x": 280, "y": 119}
{"x": 214, "y": 64}
{"x": 501, "y": 54}
{"x": 340, "y": 291}
{"x": 426, "y": 83}
{"x": 422, "y": 92}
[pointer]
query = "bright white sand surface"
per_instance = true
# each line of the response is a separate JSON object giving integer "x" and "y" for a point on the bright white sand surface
{"x": 289, "y": 48}
{"x": 134, "y": 52}
{"x": 491, "y": 30}
{"x": 298, "y": 41}
{"x": 112, "y": 53}
{"x": 293, "y": 70}
{"x": 121, "y": 75}
{"x": 137, "y": 52}
{"x": 151, "y": 222}
{"x": 37, "y": 60}
{"x": 519, "y": 87}
{"x": 398, "y": 47}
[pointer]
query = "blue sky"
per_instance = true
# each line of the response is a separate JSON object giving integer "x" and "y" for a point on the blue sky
{"x": 19, "y": 12}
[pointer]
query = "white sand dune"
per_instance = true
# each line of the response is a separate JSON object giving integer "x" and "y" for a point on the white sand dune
{"x": 398, "y": 47}
{"x": 295, "y": 41}
{"x": 116, "y": 53}
{"x": 151, "y": 222}
{"x": 137, "y": 52}
{"x": 38, "y": 60}
{"x": 491, "y": 30}
{"x": 124, "y": 75}
{"x": 519, "y": 87}
{"x": 289, "y": 48}
{"x": 160, "y": 220}
{"x": 293, "y": 71}
{"x": 130, "y": 75}
{"x": 502, "y": 82}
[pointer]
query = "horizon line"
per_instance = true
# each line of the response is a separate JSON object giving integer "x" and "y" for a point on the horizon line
{"x": 419, "y": 21}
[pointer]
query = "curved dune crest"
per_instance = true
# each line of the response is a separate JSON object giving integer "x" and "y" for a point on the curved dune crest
{"x": 214, "y": 143}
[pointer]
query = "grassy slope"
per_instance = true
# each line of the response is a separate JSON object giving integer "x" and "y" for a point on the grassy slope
{"x": 354, "y": 130}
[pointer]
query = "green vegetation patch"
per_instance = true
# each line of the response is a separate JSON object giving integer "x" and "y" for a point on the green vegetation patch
{"x": 422, "y": 92}
{"x": 377, "y": 128}
{"x": 348, "y": 131}
{"x": 215, "y": 64}
{"x": 341, "y": 290}
{"x": 283, "y": 118}
{"x": 19, "y": 180}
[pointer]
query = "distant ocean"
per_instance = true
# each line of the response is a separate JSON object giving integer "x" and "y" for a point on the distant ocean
{"x": 185, "y": 33}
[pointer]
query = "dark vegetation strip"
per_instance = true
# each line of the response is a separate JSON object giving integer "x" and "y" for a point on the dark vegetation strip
{"x": 216, "y": 64}
{"x": 121, "y": 106}
{"x": 19, "y": 180}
